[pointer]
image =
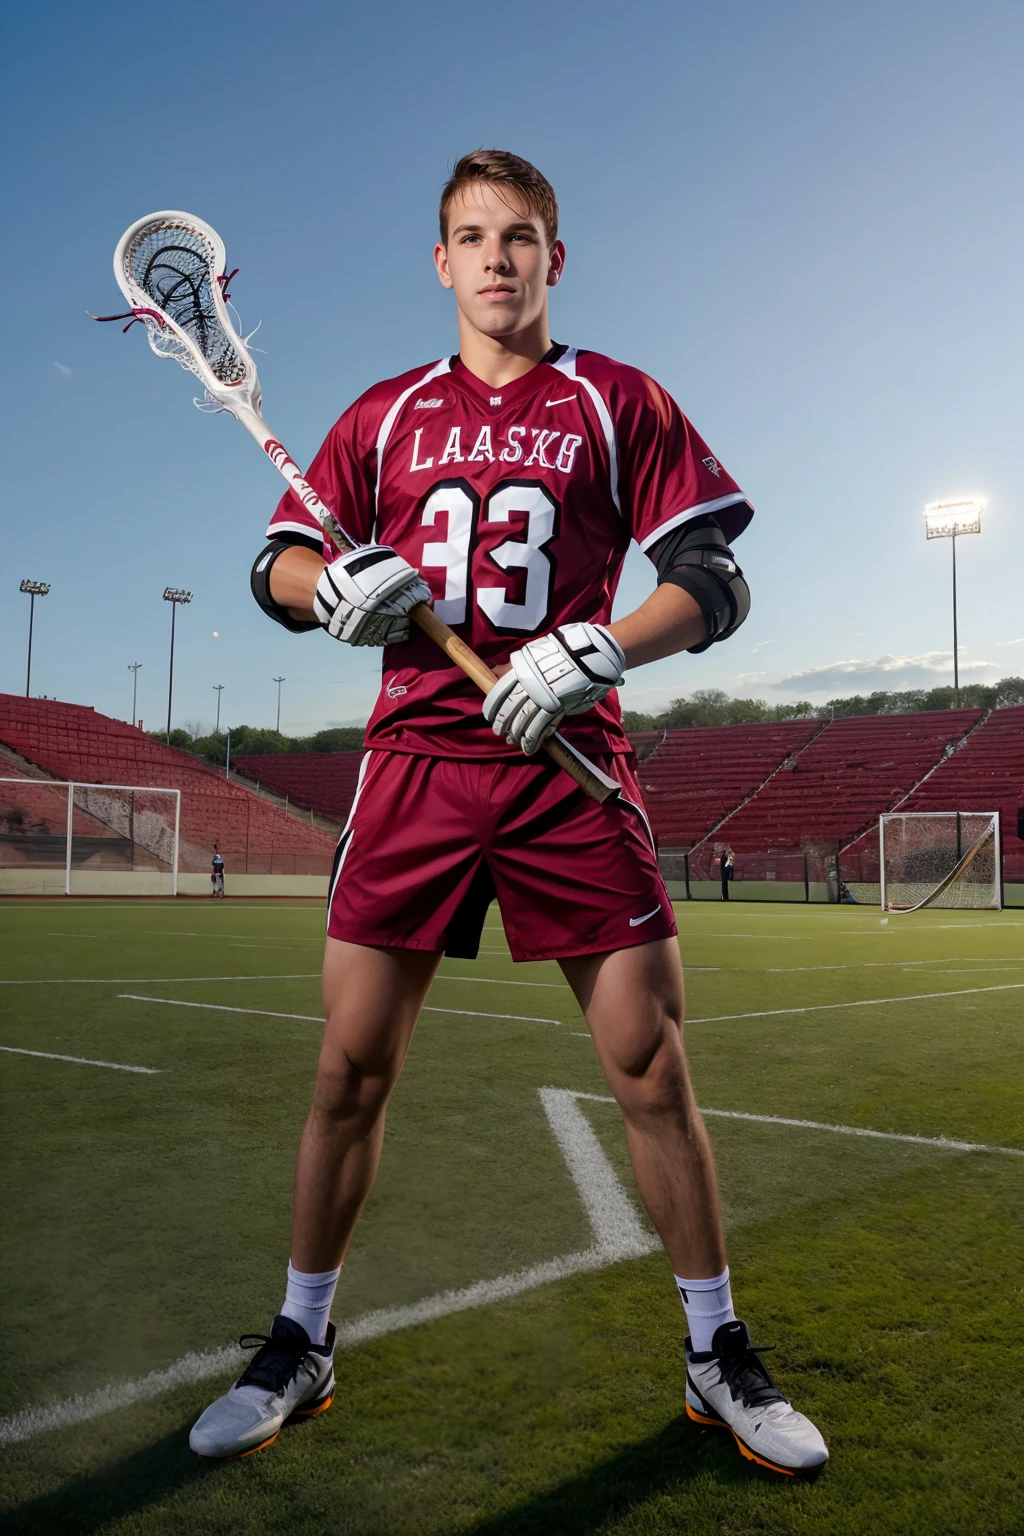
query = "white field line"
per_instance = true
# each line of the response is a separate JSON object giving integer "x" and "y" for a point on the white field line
{"x": 887, "y": 965}
{"x": 942, "y": 1143}
{"x": 149, "y": 981}
{"x": 82, "y": 1061}
{"x": 975, "y": 970}
{"x": 618, "y": 1235}
{"x": 863, "y": 1002}
{"x": 318, "y": 1018}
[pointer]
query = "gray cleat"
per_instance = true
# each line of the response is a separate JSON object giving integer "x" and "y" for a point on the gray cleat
{"x": 288, "y": 1378}
{"x": 728, "y": 1387}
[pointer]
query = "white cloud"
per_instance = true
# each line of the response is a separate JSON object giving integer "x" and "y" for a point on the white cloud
{"x": 750, "y": 677}
{"x": 930, "y": 669}
{"x": 1019, "y": 641}
{"x": 63, "y": 369}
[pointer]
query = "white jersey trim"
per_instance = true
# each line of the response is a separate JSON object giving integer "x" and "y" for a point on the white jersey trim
{"x": 567, "y": 364}
{"x": 311, "y": 531}
{"x": 702, "y": 509}
{"x": 444, "y": 366}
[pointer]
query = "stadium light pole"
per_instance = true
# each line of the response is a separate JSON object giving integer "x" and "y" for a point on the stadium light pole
{"x": 133, "y": 668}
{"x": 218, "y": 689}
{"x": 278, "y": 681}
{"x": 34, "y": 589}
{"x": 174, "y": 596}
{"x": 945, "y": 520}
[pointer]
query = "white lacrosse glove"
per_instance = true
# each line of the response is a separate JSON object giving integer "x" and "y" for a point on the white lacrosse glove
{"x": 363, "y": 597}
{"x": 560, "y": 674}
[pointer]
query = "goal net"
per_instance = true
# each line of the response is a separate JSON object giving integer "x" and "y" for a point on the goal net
{"x": 940, "y": 859}
{"x": 87, "y": 839}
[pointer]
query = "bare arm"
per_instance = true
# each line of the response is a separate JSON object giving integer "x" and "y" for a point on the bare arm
{"x": 293, "y": 581}
{"x": 669, "y": 621}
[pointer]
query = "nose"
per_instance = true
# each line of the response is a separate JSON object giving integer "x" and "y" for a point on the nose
{"x": 495, "y": 258}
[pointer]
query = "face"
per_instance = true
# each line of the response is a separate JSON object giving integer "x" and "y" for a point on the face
{"x": 498, "y": 262}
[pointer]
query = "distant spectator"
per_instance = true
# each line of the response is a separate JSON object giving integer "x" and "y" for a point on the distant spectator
{"x": 728, "y": 866}
{"x": 217, "y": 877}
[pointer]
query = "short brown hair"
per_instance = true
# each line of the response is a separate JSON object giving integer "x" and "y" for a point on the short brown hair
{"x": 509, "y": 174}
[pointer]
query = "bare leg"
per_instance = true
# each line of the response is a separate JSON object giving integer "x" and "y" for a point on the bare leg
{"x": 633, "y": 1002}
{"x": 372, "y": 999}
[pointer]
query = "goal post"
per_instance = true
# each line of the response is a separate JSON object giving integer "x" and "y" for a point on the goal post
{"x": 946, "y": 859}
{"x": 75, "y": 839}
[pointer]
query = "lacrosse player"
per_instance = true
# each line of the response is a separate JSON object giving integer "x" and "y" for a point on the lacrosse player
{"x": 504, "y": 484}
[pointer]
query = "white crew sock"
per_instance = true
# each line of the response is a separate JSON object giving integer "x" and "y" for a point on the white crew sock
{"x": 308, "y": 1299}
{"x": 708, "y": 1304}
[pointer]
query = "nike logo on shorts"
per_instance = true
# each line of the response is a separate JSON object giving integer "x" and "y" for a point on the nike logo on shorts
{"x": 562, "y": 401}
{"x": 635, "y": 922}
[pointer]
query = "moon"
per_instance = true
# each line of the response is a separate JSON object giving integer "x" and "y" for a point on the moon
{"x": 216, "y": 634}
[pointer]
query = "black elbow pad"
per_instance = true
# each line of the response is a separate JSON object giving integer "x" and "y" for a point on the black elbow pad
{"x": 697, "y": 558}
{"x": 259, "y": 581}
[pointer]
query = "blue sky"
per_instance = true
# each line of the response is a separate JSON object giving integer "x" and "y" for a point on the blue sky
{"x": 803, "y": 218}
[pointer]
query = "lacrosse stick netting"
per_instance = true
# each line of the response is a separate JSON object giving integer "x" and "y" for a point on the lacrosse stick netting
{"x": 172, "y": 269}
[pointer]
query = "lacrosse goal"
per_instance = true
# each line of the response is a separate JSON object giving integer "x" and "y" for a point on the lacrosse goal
{"x": 87, "y": 839}
{"x": 940, "y": 859}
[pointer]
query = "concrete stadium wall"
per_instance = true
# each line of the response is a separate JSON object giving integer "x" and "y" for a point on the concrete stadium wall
{"x": 50, "y": 882}
{"x": 748, "y": 890}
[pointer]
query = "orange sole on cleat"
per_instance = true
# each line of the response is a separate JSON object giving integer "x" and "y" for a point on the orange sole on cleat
{"x": 700, "y": 1418}
{"x": 770, "y": 1466}
{"x": 311, "y": 1413}
{"x": 250, "y": 1452}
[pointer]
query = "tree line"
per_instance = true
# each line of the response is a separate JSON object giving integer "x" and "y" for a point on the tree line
{"x": 710, "y": 706}
{"x": 705, "y": 706}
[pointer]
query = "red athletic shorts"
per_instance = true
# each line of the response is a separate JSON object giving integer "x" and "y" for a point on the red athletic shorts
{"x": 430, "y": 842}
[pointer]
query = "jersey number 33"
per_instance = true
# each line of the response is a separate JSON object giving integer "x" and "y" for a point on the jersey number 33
{"x": 513, "y": 606}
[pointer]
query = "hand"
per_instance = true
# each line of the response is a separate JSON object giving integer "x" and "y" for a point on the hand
{"x": 363, "y": 597}
{"x": 560, "y": 674}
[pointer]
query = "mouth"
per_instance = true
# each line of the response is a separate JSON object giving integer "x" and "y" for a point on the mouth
{"x": 497, "y": 292}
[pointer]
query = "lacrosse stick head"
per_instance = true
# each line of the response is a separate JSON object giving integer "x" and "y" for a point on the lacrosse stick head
{"x": 171, "y": 267}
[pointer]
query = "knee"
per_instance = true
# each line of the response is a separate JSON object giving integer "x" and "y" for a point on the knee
{"x": 654, "y": 1083}
{"x": 348, "y": 1091}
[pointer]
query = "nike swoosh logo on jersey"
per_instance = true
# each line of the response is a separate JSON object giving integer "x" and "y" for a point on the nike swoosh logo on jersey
{"x": 635, "y": 922}
{"x": 561, "y": 401}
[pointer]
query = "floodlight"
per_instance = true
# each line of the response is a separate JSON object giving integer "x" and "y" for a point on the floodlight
{"x": 34, "y": 589}
{"x": 174, "y": 596}
{"x": 947, "y": 519}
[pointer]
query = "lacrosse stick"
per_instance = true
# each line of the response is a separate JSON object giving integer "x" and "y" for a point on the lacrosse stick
{"x": 172, "y": 269}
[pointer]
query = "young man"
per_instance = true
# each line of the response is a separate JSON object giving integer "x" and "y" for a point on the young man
{"x": 217, "y": 875}
{"x": 505, "y": 484}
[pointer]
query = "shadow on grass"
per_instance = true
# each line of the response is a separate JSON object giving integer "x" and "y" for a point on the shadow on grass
{"x": 585, "y": 1503}
{"x": 88, "y": 1503}
{"x": 576, "y": 1507}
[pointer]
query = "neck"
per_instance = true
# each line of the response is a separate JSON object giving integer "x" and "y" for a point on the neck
{"x": 498, "y": 360}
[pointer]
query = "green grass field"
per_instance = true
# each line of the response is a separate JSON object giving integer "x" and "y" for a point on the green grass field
{"x": 145, "y": 1221}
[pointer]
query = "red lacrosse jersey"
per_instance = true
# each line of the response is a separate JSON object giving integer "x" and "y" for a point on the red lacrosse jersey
{"x": 518, "y": 505}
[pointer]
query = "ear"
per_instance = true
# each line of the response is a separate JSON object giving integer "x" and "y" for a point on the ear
{"x": 441, "y": 263}
{"x": 556, "y": 264}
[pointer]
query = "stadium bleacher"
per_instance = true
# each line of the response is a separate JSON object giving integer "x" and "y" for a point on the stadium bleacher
{"x": 698, "y": 776}
{"x": 843, "y": 780}
{"x": 324, "y": 782}
{"x": 984, "y": 773}
{"x": 785, "y": 788}
{"x": 73, "y": 741}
